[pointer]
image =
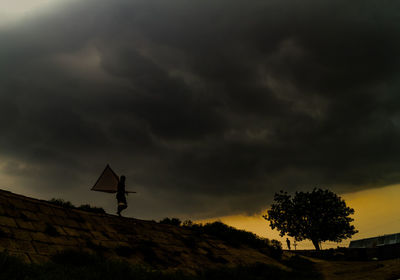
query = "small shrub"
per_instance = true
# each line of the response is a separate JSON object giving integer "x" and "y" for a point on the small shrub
{"x": 276, "y": 249}
{"x": 62, "y": 203}
{"x": 173, "y": 221}
{"x": 68, "y": 205}
{"x": 88, "y": 208}
{"x": 187, "y": 223}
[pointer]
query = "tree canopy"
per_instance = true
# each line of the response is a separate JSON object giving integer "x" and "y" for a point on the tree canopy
{"x": 319, "y": 216}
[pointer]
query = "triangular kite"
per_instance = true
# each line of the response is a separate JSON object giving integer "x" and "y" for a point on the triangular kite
{"x": 107, "y": 182}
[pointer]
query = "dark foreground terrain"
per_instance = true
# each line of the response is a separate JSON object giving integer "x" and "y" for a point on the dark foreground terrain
{"x": 355, "y": 270}
{"x": 79, "y": 265}
{"x": 40, "y": 239}
{"x": 84, "y": 266}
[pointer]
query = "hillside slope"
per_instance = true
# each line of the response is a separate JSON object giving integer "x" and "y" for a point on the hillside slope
{"x": 34, "y": 230}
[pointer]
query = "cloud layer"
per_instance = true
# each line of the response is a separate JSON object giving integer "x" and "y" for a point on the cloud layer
{"x": 208, "y": 107}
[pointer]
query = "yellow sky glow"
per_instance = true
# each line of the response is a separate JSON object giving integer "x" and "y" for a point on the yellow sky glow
{"x": 376, "y": 213}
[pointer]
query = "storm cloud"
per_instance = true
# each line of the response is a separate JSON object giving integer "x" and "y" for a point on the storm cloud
{"x": 208, "y": 107}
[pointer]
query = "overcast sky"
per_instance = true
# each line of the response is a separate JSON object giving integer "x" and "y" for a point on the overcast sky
{"x": 208, "y": 106}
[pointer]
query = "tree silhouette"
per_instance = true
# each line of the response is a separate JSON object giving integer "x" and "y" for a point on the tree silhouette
{"x": 319, "y": 215}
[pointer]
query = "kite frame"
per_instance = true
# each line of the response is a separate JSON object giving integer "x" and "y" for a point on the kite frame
{"x": 114, "y": 174}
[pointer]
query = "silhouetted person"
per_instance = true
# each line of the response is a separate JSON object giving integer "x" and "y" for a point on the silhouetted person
{"x": 288, "y": 243}
{"x": 121, "y": 198}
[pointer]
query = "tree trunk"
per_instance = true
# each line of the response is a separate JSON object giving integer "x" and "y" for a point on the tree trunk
{"x": 316, "y": 244}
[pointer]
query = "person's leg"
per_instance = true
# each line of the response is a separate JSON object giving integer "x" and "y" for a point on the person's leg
{"x": 120, "y": 208}
{"x": 123, "y": 207}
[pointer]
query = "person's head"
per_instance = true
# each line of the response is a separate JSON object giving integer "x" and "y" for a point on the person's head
{"x": 122, "y": 179}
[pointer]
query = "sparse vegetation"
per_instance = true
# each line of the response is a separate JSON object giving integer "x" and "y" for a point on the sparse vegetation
{"x": 70, "y": 265}
{"x": 172, "y": 221}
{"x": 233, "y": 236}
{"x": 88, "y": 208}
{"x": 187, "y": 223}
{"x": 62, "y": 203}
{"x": 68, "y": 205}
{"x": 236, "y": 237}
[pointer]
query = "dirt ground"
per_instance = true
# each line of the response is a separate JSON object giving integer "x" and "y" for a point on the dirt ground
{"x": 346, "y": 270}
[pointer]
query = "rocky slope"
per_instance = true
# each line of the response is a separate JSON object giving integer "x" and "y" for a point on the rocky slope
{"x": 34, "y": 230}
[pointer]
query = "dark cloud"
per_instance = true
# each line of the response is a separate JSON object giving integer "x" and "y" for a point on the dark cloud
{"x": 209, "y": 107}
